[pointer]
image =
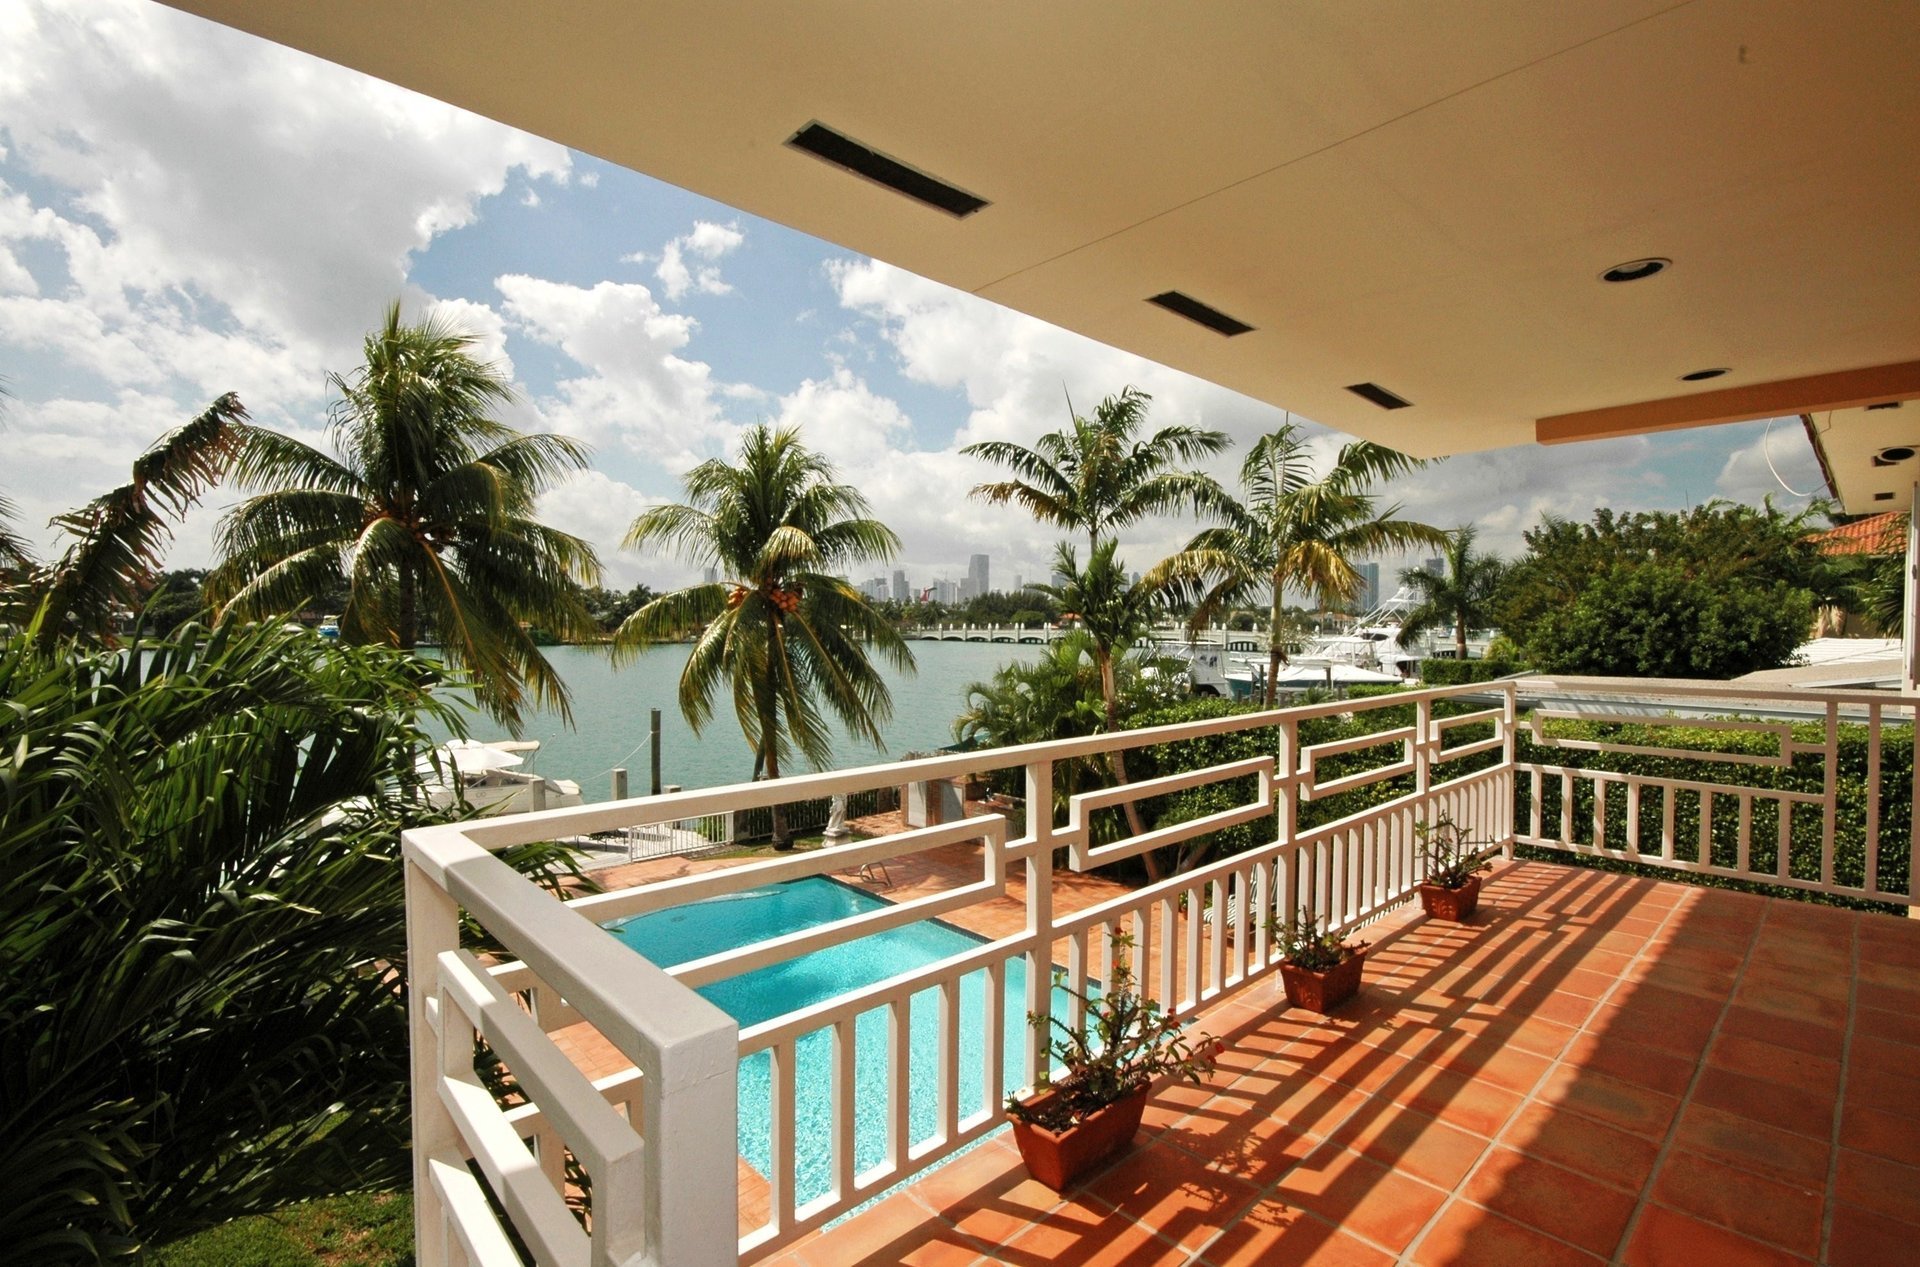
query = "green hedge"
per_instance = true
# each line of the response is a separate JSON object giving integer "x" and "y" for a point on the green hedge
{"x": 1439, "y": 672}
{"x": 1893, "y": 848}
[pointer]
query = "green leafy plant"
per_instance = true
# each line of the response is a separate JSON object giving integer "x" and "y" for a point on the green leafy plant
{"x": 1304, "y": 944}
{"x": 1124, "y": 1043}
{"x": 1452, "y": 858}
{"x": 203, "y": 928}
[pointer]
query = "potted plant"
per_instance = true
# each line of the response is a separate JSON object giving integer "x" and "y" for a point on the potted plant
{"x": 1452, "y": 887}
{"x": 1092, "y": 1111}
{"x": 1319, "y": 970}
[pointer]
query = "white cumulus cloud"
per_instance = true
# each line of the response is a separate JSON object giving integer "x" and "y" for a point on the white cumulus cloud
{"x": 690, "y": 262}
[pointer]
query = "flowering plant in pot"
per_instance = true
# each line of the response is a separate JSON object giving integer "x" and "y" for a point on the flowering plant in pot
{"x": 1111, "y": 1061}
{"x": 1454, "y": 863}
{"x": 1319, "y": 970}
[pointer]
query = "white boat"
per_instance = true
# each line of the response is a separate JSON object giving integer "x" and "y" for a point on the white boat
{"x": 485, "y": 774}
{"x": 1369, "y": 654}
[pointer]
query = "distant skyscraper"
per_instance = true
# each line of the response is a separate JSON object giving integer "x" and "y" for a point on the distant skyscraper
{"x": 1134, "y": 580}
{"x": 977, "y": 575}
{"x": 967, "y": 590}
{"x": 1370, "y": 585}
{"x": 1019, "y": 582}
{"x": 1436, "y": 566}
{"x": 900, "y": 593}
{"x": 946, "y": 592}
{"x": 1058, "y": 580}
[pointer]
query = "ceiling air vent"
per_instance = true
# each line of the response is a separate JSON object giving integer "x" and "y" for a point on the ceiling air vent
{"x": 823, "y": 142}
{"x": 1885, "y": 404}
{"x": 1193, "y": 310}
{"x": 1378, "y": 395}
{"x": 1883, "y": 497}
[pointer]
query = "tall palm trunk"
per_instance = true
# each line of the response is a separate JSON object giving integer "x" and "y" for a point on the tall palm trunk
{"x": 770, "y": 754}
{"x": 1460, "y": 635}
{"x": 408, "y": 630}
{"x": 1274, "y": 651}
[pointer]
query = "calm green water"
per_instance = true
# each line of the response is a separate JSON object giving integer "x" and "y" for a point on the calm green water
{"x": 610, "y": 715}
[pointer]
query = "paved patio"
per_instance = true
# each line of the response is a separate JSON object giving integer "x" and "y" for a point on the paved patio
{"x": 1600, "y": 1068}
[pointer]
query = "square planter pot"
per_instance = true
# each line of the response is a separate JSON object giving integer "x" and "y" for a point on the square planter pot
{"x": 1057, "y": 1159}
{"x": 1454, "y": 904}
{"x": 1323, "y": 991}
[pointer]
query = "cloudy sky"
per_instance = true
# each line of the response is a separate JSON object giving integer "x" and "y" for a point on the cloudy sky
{"x": 186, "y": 210}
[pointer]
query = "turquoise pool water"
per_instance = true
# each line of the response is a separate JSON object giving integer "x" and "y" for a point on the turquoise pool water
{"x": 688, "y": 932}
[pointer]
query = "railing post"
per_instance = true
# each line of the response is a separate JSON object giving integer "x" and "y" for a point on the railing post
{"x": 1039, "y": 918}
{"x": 433, "y": 926}
{"x": 1286, "y": 819}
{"x": 1510, "y": 788}
{"x": 1422, "y": 752}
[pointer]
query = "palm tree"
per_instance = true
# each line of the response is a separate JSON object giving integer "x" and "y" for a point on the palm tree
{"x": 1056, "y": 696}
{"x": 1463, "y": 597}
{"x": 782, "y": 631}
{"x": 1115, "y": 616}
{"x": 120, "y": 537}
{"x": 428, "y": 515}
{"x": 1095, "y": 476}
{"x": 1294, "y": 530}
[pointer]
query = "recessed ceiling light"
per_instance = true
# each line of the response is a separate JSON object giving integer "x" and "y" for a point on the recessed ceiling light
{"x": 1634, "y": 270}
{"x": 823, "y": 142}
{"x": 1378, "y": 395}
{"x": 1205, "y": 314}
{"x": 1897, "y": 453}
{"x": 1701, "y": 376}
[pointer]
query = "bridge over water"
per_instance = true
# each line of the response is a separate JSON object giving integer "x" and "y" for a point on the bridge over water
{"x": 1042, "y": 635}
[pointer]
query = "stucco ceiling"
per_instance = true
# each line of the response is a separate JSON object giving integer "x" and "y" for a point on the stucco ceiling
{"x": 1421, "y": 196}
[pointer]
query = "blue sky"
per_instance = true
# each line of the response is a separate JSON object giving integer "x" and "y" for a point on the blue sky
{"x": 186, "y": 210}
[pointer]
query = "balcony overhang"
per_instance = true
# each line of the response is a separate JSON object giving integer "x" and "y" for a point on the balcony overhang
{"x": 1425, "y": 204}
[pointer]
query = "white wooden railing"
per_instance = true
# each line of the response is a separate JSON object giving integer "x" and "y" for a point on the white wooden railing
{"x": 658, "y": 1140}
{"x": 1784, "y": 825}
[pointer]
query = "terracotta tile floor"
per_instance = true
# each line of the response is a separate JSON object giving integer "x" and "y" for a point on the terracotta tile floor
{"x": 1598, "y": 1069}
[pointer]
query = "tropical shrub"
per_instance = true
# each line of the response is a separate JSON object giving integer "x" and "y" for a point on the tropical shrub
{"x": 202, "y": 931}
{"x": 1439, "y": 672}
{"x": 1714, "y": 592}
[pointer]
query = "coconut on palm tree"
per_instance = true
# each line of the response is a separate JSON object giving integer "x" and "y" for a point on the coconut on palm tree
{"x": 426, "y": 511}
{"x": 1294, "y": 529}
{"x": 1462, "y": 597}
{"x": 783, "y": 635}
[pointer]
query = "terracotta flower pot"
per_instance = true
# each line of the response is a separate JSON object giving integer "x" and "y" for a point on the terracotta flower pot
{"x": 1454, "y": 904}
{"x": 1323, "y": 991}
{"x": 1057, "y": 1159}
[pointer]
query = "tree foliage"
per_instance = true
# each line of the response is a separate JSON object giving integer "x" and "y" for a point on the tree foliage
{"x": 1293, "y": 529}
{"x": 427, "y": 512}
{"x": 119, "y": 538}
{"x": 788, "y": 639}
{"x": 201, "y": 928}
{"x": 1712, "y": 592}
{"x": 1098, "y": 475}
{"x": 1463, "y": 597}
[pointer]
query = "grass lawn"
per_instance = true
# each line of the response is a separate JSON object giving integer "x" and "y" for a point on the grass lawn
{"x": 369, "y": 1229}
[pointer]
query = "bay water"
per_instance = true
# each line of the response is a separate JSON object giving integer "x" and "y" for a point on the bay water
{"x": 610, "y": 707}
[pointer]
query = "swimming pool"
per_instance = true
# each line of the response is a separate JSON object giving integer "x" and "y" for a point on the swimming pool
{"x": 688, "y": 932}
